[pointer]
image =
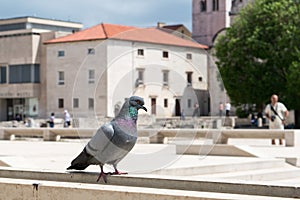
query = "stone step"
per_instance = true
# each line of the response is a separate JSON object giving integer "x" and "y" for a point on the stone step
{"x": 208, "y": 149}
{"x": 223, "y": 168}
{"x": 48, "y": 190}
{"x": 79, "y": 185}
{"x": 295, "y": 180}
{"x": 259, "y": 174}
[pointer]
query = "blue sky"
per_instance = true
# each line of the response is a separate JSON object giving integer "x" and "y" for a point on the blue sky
{"x": 141, "y": 13}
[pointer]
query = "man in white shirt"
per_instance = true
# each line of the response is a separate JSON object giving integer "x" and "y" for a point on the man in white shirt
{"x": 277, "y": 113}
{"x": 67, "y": 122}
{"x": 227, "y": 108}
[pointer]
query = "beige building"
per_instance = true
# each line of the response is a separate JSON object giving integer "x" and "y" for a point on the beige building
{"x": 94, "y": 70}
{"x": 22, "y": 64}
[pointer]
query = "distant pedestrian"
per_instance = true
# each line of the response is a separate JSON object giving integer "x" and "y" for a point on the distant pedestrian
{"x": 18, "y": 117}
{"x": 277, "y": 113}
{"x": 227, "y": 108}
{"x": 67, "y": 118}
{"x": 221, "y": 108}
{"x": 51, "y": 120}
{"x": 182, "y": 115}
{"x": 196, "y": 112}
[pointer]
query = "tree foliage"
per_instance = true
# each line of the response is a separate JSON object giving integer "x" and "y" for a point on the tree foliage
{"x": 259, "y": 54}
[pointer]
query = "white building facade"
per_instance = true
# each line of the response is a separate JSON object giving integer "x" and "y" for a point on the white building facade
{"x": 94, "y": 70}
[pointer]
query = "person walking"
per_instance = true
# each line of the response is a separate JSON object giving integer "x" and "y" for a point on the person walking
{"x": 196, "y": 112}
{"x": 227, "y": 108}
{"x": 277, "y": 113}
{"x": 51, "y": 120}
{"x": 221, "y": 108}
{"x": 67, "y": 118}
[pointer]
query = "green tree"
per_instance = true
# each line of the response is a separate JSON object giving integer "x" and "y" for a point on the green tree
{"x": 259, "y": 54}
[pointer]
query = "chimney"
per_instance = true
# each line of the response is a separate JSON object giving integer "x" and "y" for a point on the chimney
{"x": 160, "y": 24}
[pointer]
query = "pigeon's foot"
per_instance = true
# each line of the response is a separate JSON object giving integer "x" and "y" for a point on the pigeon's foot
{"x": 104, "y": 175}
{"x": 117, "y": 172}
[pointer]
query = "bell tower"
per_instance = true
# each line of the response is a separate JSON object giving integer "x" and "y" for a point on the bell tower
{"x": 209, "y": 17}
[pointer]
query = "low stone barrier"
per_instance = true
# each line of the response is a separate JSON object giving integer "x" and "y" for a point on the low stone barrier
{"x": 45, "y": 190}
{"x": 48, "y": 134}
{"x": 291, "y": 136}
{"x": 60, "y": 185}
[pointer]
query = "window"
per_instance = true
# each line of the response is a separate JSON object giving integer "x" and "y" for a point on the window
{"x": 140, "y": 79}
{"x": 165, "y": 54}
{"x": 60, "y": 103}
{"x": 140, "y": 52}
{"x": 189, "y": 103}
{"x": 165, "y": 78}
{"x": 36, "y": 73}
{"x": 91, "y": 51}
{"x": 28, "y": 73}
{"x": 189, "y": 56}
{"x": 91, "y": 76}
{"x": 203, "y": 5}
{"x": 215, "y": 5}
{"x": 61, "y": 78}
{"x": 165, "y": 103}
{"x": 91, "y": 103}
{"x": 75, "y": 103}
{"x": 3, "y": 75}
{"x": 189, "y": 78}
{"x": 61, "y": 53}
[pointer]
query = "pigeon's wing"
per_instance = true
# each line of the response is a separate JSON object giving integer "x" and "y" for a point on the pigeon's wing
{"x": 101, "y": 139}
{"x": 97, "y": 144}
{"x": 82, "y": 161}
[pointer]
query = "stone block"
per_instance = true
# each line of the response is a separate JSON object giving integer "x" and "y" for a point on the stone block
{"x": 217, "y": 137}
{"x": 292, "y": 138}
{"x": 50, "y": 136}
{"x": 4, "y": 135}
{"x": 293, "y": 161}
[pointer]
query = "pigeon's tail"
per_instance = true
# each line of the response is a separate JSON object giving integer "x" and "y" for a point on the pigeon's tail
{"x": 81, "y": 161}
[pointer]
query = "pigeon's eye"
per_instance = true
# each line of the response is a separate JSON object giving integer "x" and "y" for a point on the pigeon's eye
{"x": 138, "y": 101}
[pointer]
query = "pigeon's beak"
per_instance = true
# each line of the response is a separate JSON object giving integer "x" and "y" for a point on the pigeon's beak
{"x": 144, "y": 108}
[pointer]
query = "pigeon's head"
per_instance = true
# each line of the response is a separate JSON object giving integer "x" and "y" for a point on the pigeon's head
{"x": 137, "y": 102}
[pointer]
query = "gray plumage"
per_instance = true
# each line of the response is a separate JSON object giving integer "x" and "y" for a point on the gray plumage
{"x": 113, "y": 140}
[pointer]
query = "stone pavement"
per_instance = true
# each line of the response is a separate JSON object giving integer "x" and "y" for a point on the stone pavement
{"x": 161, "y": 160}
{"x": 145, "y": 158}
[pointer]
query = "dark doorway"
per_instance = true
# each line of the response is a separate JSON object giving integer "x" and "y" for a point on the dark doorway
{"x": 177, "y": 107}
{"x": 153, "y": 106}
{"x": 15, "y": 109}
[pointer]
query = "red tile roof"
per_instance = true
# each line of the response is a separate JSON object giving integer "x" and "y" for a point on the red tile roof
{"x": 129, "y": 33}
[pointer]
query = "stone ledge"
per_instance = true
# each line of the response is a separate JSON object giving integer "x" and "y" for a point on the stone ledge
{"x": 48, "y": 190}
{"x": 292, "y": 137}
{"x": 216, "y": 149}
{"x": 158, "y": 182}
{"x": 293, "y": 161}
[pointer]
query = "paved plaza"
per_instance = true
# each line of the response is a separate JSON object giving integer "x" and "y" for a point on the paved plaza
{"x": 268, "y": 167}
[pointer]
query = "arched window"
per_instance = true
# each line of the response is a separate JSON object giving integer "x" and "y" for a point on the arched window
{"x": 203, "y": 5}
{"x": 215, "y": 5}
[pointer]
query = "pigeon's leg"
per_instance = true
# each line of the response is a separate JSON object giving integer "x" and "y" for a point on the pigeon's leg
{"x": 102, "y": 174}
{"x": 117, "y": 172}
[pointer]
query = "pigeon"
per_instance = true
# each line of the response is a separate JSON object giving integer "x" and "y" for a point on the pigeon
{"x": 112, "y": 141}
